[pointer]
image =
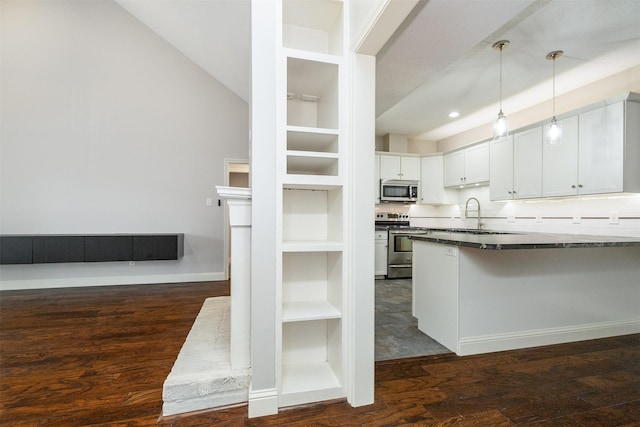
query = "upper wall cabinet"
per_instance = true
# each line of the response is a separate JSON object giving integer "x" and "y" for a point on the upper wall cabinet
{"x": 467, "y": 166}
{"x": 432, "y": 190}
{"x": 376, "y": 182}
{"x": 516, "y": 166}
{"x": 501, "y": 174}
{"x": 399, "y": 167}
{"x": 599, "y": 153}
{"x": 609, "y": 149}
{"x": 560, "y": 162}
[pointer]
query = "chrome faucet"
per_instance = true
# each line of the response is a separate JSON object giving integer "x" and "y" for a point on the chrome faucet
{"x": 466, "y": 210}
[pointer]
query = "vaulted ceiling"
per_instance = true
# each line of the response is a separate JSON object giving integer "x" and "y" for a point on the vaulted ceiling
{"x": 215, "y": 34}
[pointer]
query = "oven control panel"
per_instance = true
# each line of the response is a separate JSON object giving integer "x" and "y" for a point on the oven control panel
{"x": 391, "y": 216}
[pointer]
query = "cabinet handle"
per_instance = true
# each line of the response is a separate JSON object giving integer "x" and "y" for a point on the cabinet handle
{"x": 514, "y": 191}
{"x": 573, "y": 186}
{"x": 510, "y": 192}
{"x": 579, "y": 185}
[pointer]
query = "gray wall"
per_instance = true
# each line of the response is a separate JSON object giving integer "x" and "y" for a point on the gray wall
{"x": 106, "y": 128}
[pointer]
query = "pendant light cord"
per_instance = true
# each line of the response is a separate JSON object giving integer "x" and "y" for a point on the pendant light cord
{"x": 554, "y": 87}
{"x": 552, "y": 56}
{"x": 501, "y": 78}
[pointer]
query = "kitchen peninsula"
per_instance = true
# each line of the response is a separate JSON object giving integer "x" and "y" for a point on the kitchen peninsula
{"x": 478, "y": 291}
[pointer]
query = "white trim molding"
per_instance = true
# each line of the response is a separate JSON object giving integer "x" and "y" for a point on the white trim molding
{"x": 512, "y": 341}
{"x": 75, "y": 282}
{"x": 263, "y": 402}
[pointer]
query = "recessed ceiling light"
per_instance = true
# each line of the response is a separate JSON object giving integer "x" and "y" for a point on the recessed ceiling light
{"x": 453, "y": 114}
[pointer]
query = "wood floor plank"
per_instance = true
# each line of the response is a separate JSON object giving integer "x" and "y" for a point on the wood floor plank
{"x": 98, "y": 357}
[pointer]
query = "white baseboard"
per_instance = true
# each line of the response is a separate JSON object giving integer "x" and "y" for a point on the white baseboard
{"x": 12, "y": 285}
{"x": 263, "y": 402}
{"x": 502, "y": 342}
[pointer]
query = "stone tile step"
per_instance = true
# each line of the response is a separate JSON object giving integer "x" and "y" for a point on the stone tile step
{"x": 202, "y": 377}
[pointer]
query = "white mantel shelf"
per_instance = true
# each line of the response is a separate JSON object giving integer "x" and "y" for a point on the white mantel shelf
{"x": 234, "y": 193}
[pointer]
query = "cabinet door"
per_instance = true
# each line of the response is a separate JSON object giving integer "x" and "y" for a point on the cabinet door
{"x": 156, "y": 247}
{"x": 431, "y": 181}
{"x": 527, "y": 164}
{"x": 16, "y": 250}
{"x": 476, "y": 163}
{"x": 560, "y": 162}
{"x": 377, "y": 178}
{"x": 601, "y": 150}
{"x": 501, "y": 174}
{"x": 390, "y": 167}
{"x": 50, "y": 249}
{"x": 108, "y": 248}
{"x": 454, "y": 169}
{"x": 410, "y": 168}
{"x": 381, "y": 257}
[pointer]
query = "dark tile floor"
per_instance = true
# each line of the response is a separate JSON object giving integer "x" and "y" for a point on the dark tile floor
{"x": 397, "y": 334}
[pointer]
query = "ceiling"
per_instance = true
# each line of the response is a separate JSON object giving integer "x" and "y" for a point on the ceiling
{"x": 440, "y": 59}
{"x": 215, "y": 34}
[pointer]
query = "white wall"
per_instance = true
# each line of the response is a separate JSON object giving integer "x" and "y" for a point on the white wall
{"x": 106, "y": 128}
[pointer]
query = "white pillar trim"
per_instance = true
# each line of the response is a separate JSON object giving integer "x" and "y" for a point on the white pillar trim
{"x": 239, "y": 202}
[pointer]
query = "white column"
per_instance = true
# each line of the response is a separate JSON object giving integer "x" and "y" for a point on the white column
{"x": 266, "y": 27}
{"x": 239, "y": 202}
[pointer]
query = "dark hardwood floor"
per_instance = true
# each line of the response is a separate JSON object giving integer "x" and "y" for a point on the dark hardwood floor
{"x": 99, "y": 356}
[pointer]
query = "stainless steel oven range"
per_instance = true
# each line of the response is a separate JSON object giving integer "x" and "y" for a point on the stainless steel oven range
{"x": 399, "y": 247}
{"x": 400, "y": 252}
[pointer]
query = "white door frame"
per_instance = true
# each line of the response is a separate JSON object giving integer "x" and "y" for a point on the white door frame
{"x": 227, "y": 229}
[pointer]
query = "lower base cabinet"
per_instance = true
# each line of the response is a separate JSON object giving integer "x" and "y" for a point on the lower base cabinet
{"x": 381, "y": 253}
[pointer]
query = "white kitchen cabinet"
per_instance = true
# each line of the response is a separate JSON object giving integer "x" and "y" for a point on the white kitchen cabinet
{"x": 377, "y": 178}
{"x": 527, "y": 163}
{"x": 454, "y": 169}
{"x": 560, "y": 162}
{"x": 516, "y": 166}
{"x": 501, "y": 174}
{"x": 598, "y": 154}
{"x": 476, "y": 163}
{"x": 432, "y": 180}
{"x": 381, "y": 239}
{"x": 467, "y": 166}
{"x": 399, "y": 167}
{"x": 602, "y": 145}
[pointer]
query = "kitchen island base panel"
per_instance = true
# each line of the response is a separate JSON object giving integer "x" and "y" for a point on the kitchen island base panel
{"x": 514, "y": 341}
{"x": 477, "y": 301}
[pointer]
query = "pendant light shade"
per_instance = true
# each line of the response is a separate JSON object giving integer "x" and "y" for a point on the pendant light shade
{"x": 501, "y": 123}
{"x": 553, "y": 131}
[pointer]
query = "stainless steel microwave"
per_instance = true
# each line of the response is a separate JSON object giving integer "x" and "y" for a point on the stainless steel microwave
{"x": 399, "y": 190}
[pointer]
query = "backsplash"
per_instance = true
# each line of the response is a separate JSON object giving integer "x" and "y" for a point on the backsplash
{"x": 614, "y": 215}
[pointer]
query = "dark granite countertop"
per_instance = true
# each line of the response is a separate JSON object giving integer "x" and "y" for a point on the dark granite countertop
{"x": 495, "y": 240}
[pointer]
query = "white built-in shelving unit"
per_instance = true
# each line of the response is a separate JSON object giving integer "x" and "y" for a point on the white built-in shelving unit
{"x": 311, "y": 250}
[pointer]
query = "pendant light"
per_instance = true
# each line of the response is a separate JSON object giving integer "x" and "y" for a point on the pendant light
{"x": 500, "y": 124}
{"x": 553, "y": 130}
